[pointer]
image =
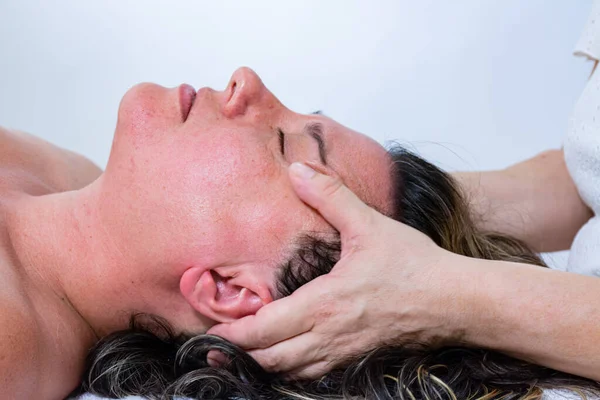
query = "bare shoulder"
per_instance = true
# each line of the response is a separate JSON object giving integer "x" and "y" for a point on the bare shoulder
{"x": 19, "y": 351}
{"x": 53, "y": 165}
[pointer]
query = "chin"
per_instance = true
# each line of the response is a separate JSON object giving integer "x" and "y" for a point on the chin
{"x": 141, "y": 103}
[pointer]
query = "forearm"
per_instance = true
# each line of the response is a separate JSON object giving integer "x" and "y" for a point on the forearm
{"x": 537, "y": 314}
{"x": 535, "y": 201}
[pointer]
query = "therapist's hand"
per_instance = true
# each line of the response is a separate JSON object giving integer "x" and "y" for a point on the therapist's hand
{"x": 390, "y": 286}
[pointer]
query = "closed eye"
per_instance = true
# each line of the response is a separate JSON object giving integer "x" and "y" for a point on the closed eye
{"x": 281, "y": 141}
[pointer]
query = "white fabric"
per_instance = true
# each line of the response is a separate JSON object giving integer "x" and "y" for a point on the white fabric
{"x": 589, "y": 42}
{"x": 563, "y": 395}
{"x": 582, "y": 154}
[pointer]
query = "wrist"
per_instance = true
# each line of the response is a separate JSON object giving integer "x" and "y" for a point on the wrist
{"x": 464, "y": 301}
{"x": 488, "y": 300}
{"x": 446, "y": 315}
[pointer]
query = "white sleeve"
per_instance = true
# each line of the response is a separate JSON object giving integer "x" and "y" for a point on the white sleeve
{"x": 589, "y": 42}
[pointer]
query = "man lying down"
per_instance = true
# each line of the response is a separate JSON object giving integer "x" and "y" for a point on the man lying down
{"x": 195, "y": 222}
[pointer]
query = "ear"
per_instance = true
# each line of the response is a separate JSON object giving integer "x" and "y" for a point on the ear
{"x": 217, "y": 298}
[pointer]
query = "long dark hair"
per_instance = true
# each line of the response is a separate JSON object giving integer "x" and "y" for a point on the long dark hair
{"x": 151, "y": 360}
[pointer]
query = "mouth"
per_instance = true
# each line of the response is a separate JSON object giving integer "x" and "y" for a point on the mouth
{"x": 187, "y": 95}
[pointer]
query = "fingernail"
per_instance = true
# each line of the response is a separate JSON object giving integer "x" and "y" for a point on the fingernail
{"x": 302, "y": 171}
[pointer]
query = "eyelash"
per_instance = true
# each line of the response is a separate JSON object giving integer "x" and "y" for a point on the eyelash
{"x": 281, "y": 141}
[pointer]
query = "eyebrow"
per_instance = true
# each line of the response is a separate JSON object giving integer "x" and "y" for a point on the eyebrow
{"x": 315, "y": 130}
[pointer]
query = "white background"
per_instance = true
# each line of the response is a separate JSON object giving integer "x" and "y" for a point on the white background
{"x": 470, "y": 84}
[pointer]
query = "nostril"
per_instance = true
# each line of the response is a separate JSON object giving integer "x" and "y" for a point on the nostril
{"x": 231, "y": 91}
{"x": 244, "y": 89}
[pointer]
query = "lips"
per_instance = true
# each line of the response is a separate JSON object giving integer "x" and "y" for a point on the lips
{"x": 187, "y": 95}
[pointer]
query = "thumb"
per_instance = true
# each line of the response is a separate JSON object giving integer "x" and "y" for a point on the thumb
{"x": 331, "y": 198}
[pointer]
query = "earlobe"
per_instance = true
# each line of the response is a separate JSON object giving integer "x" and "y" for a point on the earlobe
{"x": 218, "y": 298}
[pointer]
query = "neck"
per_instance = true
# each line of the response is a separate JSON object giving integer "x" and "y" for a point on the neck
{"x": 67, "y": 245}
{"x": 61, "y": 249}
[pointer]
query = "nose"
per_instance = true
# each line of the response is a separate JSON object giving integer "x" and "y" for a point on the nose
{"x": 246, "y": 91}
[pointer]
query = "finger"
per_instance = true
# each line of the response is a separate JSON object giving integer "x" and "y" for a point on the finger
{"x": 265, "y": 328}
{"x": 290, "y": 354}
{"x": 328, "y": 195}
{"x": 216, "y": 359}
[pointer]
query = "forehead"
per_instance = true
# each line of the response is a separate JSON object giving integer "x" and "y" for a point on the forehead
{"x": 361, "y": 162}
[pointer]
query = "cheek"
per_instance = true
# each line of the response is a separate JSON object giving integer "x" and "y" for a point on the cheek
{"x": 229, "y": 167}
{"x": 235, "y": 192}
{"x": 263, "y": 232}
{"x": 200, "y": 174}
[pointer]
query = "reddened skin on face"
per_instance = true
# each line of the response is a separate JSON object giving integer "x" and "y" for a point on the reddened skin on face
{"x": 204, "y": 198}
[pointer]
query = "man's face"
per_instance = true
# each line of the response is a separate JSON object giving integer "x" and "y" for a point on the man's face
{"x": 210, "y": 190}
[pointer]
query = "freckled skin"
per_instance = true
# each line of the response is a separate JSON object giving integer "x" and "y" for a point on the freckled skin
{"x": 214, "y": 191}
{"x": 179, "y": 204}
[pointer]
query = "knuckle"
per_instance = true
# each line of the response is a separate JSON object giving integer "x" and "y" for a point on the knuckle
{"x": 370, "y": 221}
{"x": 332, "y": 186}
{"x": 270, "y": 362}
{"x": 324, "y": 314}
{"x": 259, "y": 339}
{"x": 354, "y": 244}
{"x": 373, "y": 218}
{"x": 315, "y": 371}
{"x": 327, "y": 308}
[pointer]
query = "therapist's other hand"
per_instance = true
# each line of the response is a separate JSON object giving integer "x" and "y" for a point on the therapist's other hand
{"x": 389, "y": 286}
